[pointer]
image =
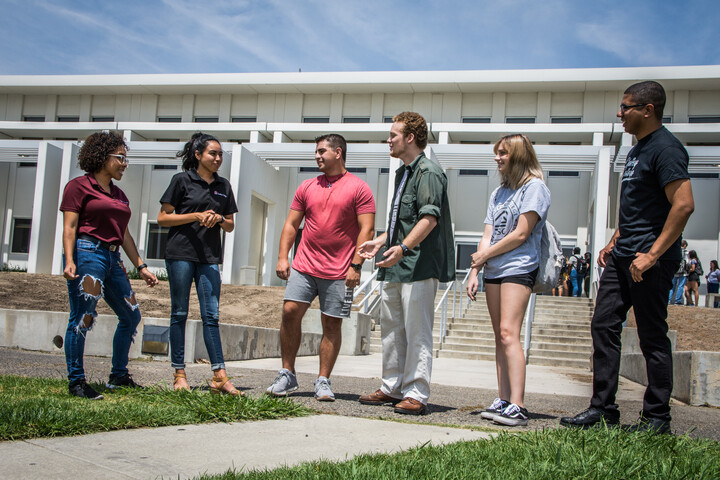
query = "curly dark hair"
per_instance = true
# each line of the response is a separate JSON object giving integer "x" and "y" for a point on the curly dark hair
{"x": 198, "y": 143}
{"x": 414, "y": 123}
{"x": 96, "y": 148}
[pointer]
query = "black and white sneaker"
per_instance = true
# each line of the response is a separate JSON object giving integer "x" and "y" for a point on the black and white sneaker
{"x": 494, "y": 410}
{"x": 512, "y": 416}
{"x": 116, "y": 382}
{"x": 83, "y": 390}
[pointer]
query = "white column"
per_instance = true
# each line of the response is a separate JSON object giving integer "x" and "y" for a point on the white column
{"x": 240, "y": 223}
{"x": 394, "y": 165}
{"x": 443, "y": 138}
{"x": 280, "y": 137}
{"x": 602, "y": 187}
{"x": 9, "y": 199}
{"x": 598, "y": 139}
{"x": 69, "y": 154}
{"x": 45, "y": 207}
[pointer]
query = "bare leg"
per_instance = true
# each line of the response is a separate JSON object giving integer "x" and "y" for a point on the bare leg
{"x": 180, "y": 383}
{"x": 291, "y": 331}
{"x": 514, "y": 299}
{"x": 330, "y": 344}
{"x": 492, "y": 296}
{"x": 227, "y": 387}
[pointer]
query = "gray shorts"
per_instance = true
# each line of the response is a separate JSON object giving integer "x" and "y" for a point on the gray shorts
{"x": 303, "y": 288}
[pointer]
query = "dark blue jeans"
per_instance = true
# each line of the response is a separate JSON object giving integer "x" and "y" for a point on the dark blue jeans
{"x": 100, "y": 274}
{"x": 181, "y": 274}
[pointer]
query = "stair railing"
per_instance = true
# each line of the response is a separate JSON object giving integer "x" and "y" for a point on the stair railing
{"x": 367, "y": 288}
{"x": 529, "y": 317}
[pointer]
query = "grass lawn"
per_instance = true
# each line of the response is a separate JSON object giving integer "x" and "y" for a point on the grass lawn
{"x": 548, "y": 454}
{"x": 40, "y": 407}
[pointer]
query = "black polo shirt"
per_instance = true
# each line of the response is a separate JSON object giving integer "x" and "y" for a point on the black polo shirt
{"x": 189, "y": 193}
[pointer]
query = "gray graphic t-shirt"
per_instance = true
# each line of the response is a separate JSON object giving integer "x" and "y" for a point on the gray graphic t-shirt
{"x": 503, "y": 212}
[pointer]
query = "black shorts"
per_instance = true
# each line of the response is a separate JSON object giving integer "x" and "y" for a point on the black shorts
{"x": 527, "y": 279}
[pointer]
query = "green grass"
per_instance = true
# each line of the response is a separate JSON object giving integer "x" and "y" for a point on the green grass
{"x": 135, "y": 275}
{"x": 39, "y": 407}
{"x": 548, "y": 454}
{"x": 12, "y": 268}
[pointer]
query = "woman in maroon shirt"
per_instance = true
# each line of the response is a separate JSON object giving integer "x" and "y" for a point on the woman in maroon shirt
{"x": 95, "y": 218}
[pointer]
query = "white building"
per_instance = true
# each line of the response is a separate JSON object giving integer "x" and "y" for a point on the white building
{"x": 267, "y": 123}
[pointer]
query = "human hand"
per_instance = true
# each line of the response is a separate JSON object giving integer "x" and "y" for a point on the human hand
{"x": 283, "y": 269}
{"x": 352, "y": 279}
{"x": 642, "y": 263}
{"x": 479, "y": 259}
{"x": 369, "y": 249}
{"x": 391, "y": 256}
{"x": 70, "y": 271}
{"x": 149, "y": 277}
{"x": 472, "y": 287}
{"x": 603, "y": 255}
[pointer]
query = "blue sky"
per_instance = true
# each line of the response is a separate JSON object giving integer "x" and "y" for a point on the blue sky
{"x": 179, "y": 36}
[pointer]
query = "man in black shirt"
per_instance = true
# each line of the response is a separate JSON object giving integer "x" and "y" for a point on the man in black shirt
{"x": 655, "y": 203}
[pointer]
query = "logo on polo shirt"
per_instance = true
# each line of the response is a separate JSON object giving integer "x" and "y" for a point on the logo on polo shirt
{"x": 220, "y": 193}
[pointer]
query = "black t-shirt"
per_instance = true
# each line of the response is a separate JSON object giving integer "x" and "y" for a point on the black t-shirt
{"x": 656, "y": 160}
{"x": 189, "y": 193}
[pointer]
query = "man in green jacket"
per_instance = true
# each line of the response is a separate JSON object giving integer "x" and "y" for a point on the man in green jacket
{"x": 420, "y": 253}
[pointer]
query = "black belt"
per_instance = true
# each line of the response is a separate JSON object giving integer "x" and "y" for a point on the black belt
{"x": 110, "y": 246}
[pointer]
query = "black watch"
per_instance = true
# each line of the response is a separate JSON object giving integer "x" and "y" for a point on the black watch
{"x": 141, "y": 266}
{"x": 405, "y": 249}
{"x": 356, "y": 266}
{"x": 222, "y": 220}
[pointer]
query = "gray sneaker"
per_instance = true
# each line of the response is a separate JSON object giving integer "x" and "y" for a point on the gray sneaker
{"x": 495, "y": 409}
{"x": 284, "y": 383}
{"x": 322, "y": 390}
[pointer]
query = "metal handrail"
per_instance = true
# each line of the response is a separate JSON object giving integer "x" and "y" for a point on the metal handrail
{"x": 529, "y": 318}
{"x": 443, "y": 303}
{"x": 368, "y": 291}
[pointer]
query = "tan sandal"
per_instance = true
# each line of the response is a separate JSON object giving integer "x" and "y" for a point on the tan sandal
{"x": 218, "y": 382}
{"x": 177, "y": 376}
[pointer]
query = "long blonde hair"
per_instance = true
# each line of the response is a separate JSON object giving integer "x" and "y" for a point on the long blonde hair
{"x": 523, "y": 165}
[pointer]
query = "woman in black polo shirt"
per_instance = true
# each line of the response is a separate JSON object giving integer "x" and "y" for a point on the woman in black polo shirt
{"x": 196, "y": 206}
{"x": 95, "y": 218}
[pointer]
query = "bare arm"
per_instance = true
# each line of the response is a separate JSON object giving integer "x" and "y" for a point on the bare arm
{"x": 366, "y": 222}
{"x": 287, "y": 238}
{"x": 168, "y": 218}
{"x": 526, "y": 222}
{"x": 679, "y": 194}
{"x": 370, "y": 248}
{"x": 70, "y": 223}
{"x": 472, "y": 285}
{"x": 421, "y": 230}
{"x": 131, "y": 251}
{"x": 605, "y": 252}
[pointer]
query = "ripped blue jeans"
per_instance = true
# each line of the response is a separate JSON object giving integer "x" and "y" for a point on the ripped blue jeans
{"x": 101, "y": 274}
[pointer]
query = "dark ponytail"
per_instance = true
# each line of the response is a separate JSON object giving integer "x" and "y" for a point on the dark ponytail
{"x": 198, "y": 143}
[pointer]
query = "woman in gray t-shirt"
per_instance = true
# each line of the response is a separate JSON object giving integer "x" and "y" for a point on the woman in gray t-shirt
{"x": 509, "y": 253}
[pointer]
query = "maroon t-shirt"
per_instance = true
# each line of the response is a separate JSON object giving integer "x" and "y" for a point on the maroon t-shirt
{"x": 103, "y": 215}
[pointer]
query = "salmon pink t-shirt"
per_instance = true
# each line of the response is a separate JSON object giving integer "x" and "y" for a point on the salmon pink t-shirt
{"x": 331, "y": 228}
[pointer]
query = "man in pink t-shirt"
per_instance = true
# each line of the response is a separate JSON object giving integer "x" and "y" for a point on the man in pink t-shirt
{"x": 339, "y": 213}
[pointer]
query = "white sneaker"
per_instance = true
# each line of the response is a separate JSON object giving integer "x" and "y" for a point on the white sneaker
{"x": 322, "y": 390}
{"x": 284, "y": 383}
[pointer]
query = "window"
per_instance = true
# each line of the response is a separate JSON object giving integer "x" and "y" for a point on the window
{"x": 474, "y": 142}
{"x": 703, "y": 175}
{"x": 103, "y": 119}
{"x": 157, "y": 239}
{"x": 520, "y": 120}
{"x": 356, "y": 169}
{"x": 667, "y": 120}
{"x": 384, "y": 170}
{"x": 164, "y": 167}
{"x": 67, "y": 119}
{"x": 387, "y": 119}
{"x": 356, "y": 119}
{"x": 243, "y": 119}
{"x": 476, "y": 120}
{"x": 309, "y": 169}
{"x": 169, "y": 119}
{"x": 33, "y": 118}
{"x": 462, "y": 258}
{"x": 26, "y": 164}
{"x": 316, "y": 119}
{"x": 206, "y": 119}
{"x": 706, "y": 119}
{"x": 21, "y": 235}
{"x": 472, "y": 172}
{"x": 563, "y": 174}
{"x": 566, "y": 120}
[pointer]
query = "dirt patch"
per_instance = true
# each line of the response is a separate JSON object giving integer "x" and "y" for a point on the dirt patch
{"x": 256, "y": 306}
{"x": 698, "y": 328}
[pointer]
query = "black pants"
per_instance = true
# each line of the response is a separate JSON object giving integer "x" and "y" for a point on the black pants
{"x": 617, "y": 293}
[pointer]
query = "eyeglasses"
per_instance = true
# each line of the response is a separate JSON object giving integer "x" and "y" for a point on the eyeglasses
{"x": 624, "y": 108}
{"x": 121, "y": 158}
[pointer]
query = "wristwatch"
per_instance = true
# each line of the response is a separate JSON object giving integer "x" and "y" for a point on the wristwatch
{"x": 222, "y": 220}
{"x": 356, "y": 266}
{"x": 405, "y": 249}
{"x": 141, "y": 266}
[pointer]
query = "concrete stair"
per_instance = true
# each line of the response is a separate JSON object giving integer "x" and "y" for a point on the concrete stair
{"x": 560, "y": 333}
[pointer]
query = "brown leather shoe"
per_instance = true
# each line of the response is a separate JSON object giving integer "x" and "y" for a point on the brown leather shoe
{"x": 410, "y": 406}
{"x": 377, "y": 398}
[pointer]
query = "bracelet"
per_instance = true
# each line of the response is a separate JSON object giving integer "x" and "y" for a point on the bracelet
{"x": 141, "y": 266}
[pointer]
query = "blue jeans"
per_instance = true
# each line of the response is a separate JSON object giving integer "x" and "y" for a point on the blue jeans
{"x": 100, "y": 274}
{"x": 181, "y": 274}
{"x": 678, "y": 286}
{"x": 576, "y": 282}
